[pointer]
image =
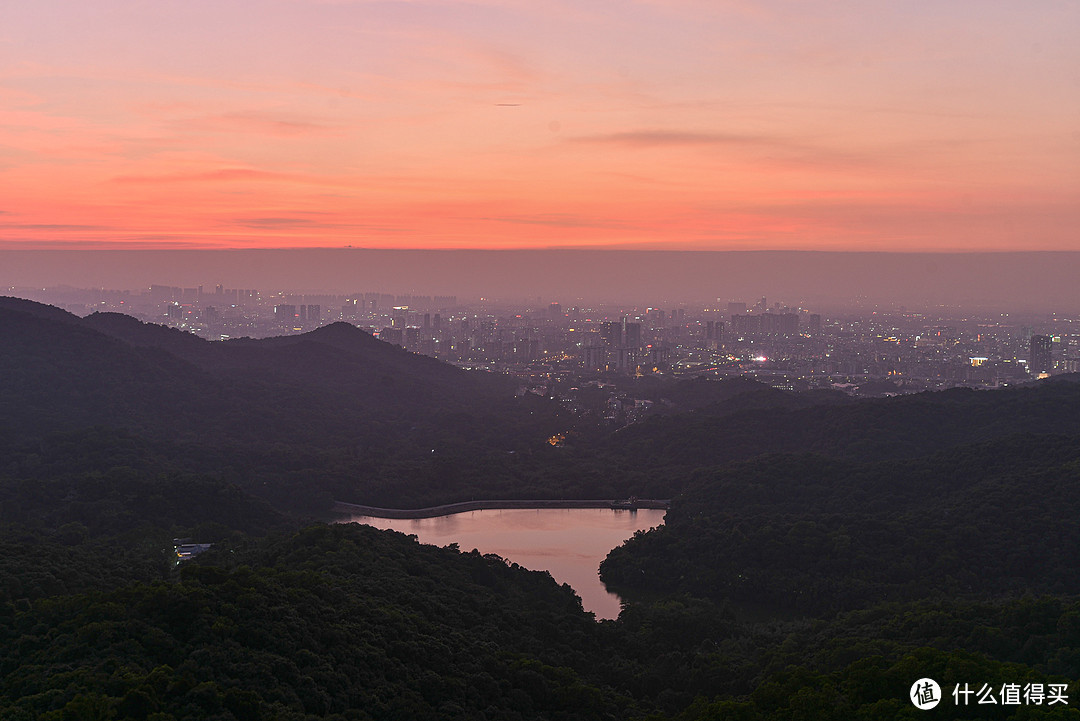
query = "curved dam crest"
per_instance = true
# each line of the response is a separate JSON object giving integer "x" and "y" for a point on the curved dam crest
{"x": 465, "y": 506}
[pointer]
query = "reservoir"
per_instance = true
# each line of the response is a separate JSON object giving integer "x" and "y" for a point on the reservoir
{"x": 569, "y": 543}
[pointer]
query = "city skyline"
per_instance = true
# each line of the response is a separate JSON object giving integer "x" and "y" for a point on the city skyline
{"x": 497, "y": 124}
{"x": 859, "y": 351}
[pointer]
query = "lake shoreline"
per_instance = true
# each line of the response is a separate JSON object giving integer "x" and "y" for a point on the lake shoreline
{"x": 450, "y": 509}
{"x": 567, "y": 543}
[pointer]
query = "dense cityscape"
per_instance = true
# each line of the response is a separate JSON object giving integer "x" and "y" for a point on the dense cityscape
{"x": 554, "y": 347}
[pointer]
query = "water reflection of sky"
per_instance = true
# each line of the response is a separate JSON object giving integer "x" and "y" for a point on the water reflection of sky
{"x": 569, "y": 543}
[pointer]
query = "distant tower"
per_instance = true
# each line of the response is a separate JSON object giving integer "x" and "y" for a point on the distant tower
{"x": 1041, "y": 360}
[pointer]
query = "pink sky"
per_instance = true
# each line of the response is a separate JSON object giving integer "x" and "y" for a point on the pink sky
{"x": 719, "y": 124}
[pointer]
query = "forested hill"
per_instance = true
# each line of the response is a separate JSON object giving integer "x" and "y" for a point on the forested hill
{"x": 64, "y": 371}
{"x": 333, "y": 412}
{"x": 805, "y": 534}
{"x": 339, "y": 352}
{"x": 820, "y": 555}
{"x": 872, "y": 429}
{"x": 340, "y": 622}
{"x": 820, "y": 509}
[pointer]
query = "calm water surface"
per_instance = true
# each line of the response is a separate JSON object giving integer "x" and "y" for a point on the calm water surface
{"x": 569, "y": 543}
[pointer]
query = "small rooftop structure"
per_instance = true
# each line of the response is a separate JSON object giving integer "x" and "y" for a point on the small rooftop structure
{"x": 185, "y": 550}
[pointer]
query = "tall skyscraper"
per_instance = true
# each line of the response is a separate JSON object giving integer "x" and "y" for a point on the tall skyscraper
{"x": 1041, "y": 358}
{"x": 611, "y": 332}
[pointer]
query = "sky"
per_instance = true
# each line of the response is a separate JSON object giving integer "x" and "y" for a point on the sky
{"x": 944, "y": 125}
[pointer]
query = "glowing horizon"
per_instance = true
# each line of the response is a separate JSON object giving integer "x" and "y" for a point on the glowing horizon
{"x": 721, "y": 125}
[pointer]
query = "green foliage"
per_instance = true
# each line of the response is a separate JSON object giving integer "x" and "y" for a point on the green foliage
{"x": 821, "y": 555}
{"x": 333, "y": 620}
{"x": 802, "y": 534}
{"x": 302, "y": 419}
{"x": 867, "y": 430}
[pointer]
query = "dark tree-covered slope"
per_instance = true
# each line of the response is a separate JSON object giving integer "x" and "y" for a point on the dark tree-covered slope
{"x": 340, "y": 622}
{"x": 63, "y": 371}
{"x": 820, "y": 555}
{"x": 807, "y": 534}
{"x": 873, "y": 429}
{"x": 330, "y": 413}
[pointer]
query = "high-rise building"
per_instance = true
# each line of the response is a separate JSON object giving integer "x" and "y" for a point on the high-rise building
{"x": 392, "y": 335}
{"x": 658, "y": 356}
{"x": 594, "y": 358}
{"x": 746, "y": 324}
{"x": 611, "y": 332}
{"x": 789, "y": 324}
{"x": 626, "y": 359}
{"x": 1041, "y": 356}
